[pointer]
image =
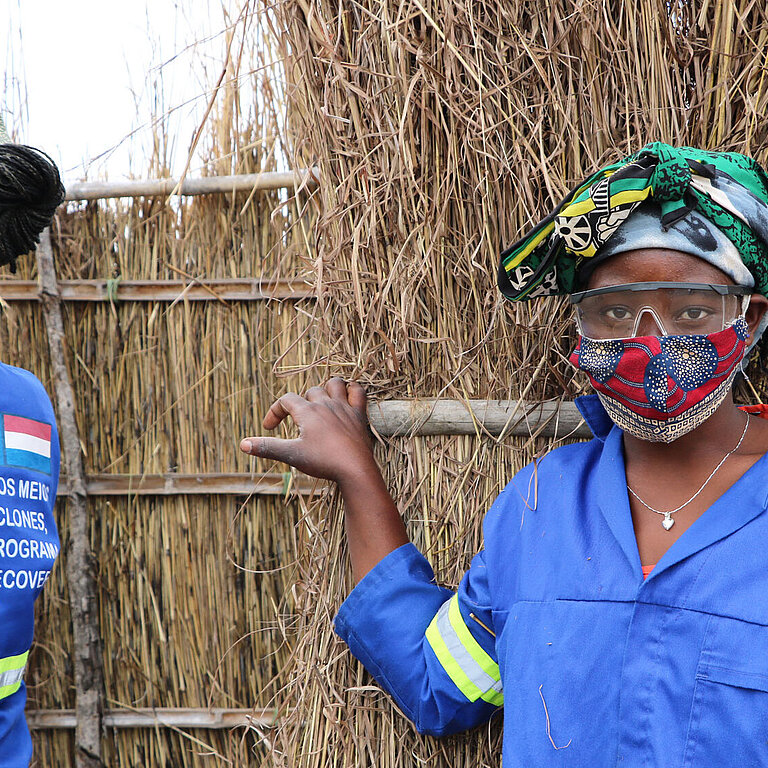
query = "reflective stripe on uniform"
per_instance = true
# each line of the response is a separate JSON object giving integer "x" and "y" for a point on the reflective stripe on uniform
{"x": 11, "y": 673}
{"x": 473, "y": 671}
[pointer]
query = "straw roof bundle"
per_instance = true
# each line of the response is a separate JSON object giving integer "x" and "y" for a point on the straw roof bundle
{"x": 442, "y": 128}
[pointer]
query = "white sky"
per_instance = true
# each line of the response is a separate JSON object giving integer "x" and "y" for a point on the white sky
{"x": 93, "y": 71}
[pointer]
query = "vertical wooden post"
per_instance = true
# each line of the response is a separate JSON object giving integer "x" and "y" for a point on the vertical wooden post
{"x": 88, "y": 669}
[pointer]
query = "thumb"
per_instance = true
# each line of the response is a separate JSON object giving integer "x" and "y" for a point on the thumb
{"x": 271, "y": 448}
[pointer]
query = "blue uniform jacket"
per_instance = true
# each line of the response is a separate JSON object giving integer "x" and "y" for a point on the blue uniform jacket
{"x": 598, "y": 667}
{"x": 29, "y": 541}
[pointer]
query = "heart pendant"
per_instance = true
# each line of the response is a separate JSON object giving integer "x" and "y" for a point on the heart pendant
{"x": 667, "y": 522}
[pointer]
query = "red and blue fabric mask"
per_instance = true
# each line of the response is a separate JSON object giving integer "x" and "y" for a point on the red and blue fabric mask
{"x": 659, "y": 388}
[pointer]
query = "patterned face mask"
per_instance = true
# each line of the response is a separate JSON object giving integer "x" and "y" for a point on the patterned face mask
{"x": 659, "y": 388}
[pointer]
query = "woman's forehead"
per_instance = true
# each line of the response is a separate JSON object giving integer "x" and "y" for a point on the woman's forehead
{"x": 655, "y": 264}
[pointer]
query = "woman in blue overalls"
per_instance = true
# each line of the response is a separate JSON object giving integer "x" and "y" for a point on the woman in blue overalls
{"x": 30, "y": 192}
{"x": 618, "y": 611}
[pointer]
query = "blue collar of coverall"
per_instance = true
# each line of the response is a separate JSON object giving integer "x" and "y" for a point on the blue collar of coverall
{"x": 742, "y": 502}
{"x": 595, "y": 415}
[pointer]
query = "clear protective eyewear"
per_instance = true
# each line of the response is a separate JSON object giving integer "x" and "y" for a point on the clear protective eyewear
{"x": 676, "y": 309}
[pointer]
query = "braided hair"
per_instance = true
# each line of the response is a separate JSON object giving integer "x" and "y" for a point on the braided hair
{"x": 30, "y": 192}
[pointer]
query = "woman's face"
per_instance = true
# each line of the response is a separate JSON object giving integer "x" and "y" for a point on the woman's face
{"x": 658, "y": 264}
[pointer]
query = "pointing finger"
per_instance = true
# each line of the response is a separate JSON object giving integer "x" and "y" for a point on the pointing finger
{"x": 270, "y": 448}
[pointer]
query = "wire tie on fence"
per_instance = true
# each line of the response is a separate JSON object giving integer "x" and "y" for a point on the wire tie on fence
{"x": 112, "y": 284}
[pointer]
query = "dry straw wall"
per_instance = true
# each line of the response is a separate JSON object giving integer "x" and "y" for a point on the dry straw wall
{"x": 440, "y": 129}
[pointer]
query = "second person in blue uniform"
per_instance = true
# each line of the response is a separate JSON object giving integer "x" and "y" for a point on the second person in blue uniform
{"x": 30, "y": 191}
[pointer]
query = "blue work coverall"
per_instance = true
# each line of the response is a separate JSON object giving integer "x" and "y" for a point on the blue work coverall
{"x": 554, "y": 621}
{"x": 29, "y": 541}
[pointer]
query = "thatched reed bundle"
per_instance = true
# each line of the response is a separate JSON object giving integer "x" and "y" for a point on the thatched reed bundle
{"x": 439, "y": 130}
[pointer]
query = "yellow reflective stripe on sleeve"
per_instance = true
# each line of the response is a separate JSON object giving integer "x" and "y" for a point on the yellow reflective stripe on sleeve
{"x": 8, "y": 690}
{"x": 450, "y": 665}
{"x": 14, "y": 662}
{"x": 472, "y": 670}
{"x": 493, "y": 695}
{"x": 12, "y": 673}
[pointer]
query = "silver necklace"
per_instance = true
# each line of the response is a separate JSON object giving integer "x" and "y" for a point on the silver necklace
{"x": 668, "y": 522}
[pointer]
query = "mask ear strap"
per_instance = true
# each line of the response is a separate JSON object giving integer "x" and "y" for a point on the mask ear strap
{"x": 743, "y": 314}
{"x": 749, "y": 381}
{"x": 744, "y": 307}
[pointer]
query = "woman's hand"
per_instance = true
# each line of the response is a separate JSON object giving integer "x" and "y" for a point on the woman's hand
{"x": 334, "y": 441}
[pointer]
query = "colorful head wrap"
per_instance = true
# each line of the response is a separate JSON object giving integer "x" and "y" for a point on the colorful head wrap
{"x": 727, "y": 189}
{"x": 693, "y": 234}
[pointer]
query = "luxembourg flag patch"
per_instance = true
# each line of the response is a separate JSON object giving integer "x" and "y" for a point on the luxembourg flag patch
{"x": 27, "y": 443}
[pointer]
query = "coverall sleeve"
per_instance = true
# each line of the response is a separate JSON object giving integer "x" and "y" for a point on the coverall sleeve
{"x": 433, "y": 650}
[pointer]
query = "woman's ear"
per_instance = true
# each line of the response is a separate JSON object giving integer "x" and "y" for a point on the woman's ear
{"x": 758, "y": 305}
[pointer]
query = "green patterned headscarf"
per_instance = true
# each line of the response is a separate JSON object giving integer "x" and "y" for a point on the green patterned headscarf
{"x": 727, "y": 188}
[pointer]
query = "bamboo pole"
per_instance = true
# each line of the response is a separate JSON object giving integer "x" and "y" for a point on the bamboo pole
{"x": 171, "y": 484}
{"x": 246, "y": 182}
{"x": 240, "y": 289}
{"x": 163, "y": 717}
{"x": 498, "y": 418}
{"x": 88, "y": 670}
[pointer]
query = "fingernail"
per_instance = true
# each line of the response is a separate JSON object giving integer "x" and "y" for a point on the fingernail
{"x": 246, "y": 446}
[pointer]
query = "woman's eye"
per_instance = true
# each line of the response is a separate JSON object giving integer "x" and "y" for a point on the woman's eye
{"x": 617, "y": 314}
{"x": 694, "y": 313}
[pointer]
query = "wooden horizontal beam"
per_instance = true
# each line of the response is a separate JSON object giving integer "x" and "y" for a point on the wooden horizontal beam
{"x": 172, "y": 484}
{"x": 244, "y": 289}
{"x": 167, "y": 717}
{"x": 246, "y": 182}
{"x": 497, "y": 418}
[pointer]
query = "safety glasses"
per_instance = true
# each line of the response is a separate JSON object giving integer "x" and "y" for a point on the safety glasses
{"x": 618, "y": 311}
